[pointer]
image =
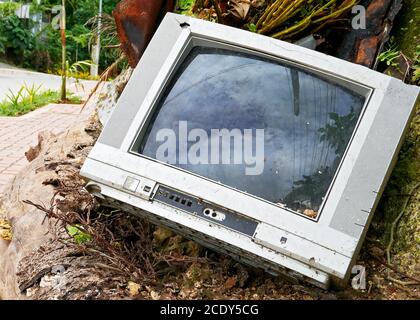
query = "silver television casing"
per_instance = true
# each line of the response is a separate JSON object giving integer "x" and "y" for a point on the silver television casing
{"x": 321, "y": 250}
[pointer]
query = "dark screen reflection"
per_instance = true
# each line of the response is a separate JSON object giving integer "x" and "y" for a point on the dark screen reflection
{"x": 307, "y": 123}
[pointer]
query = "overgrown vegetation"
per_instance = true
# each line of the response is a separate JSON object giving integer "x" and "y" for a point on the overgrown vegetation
{"x": 281, "y": 19}
{"x": 406, "y": 41}
{"x": 29, "y": 98}
{"x": 286, "y": 18}
{"x": 390, "y": 54}
{"x": 29, "y": 44}
{"x": 16, "y": 40}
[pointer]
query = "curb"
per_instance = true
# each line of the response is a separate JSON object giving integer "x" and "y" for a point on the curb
{"x": 7, "y": 71}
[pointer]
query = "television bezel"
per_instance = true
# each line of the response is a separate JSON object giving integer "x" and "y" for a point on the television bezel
{"x": 328, "y": 243}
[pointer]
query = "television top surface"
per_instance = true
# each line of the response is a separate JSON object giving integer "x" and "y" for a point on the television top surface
{"x": 288, "y": 148}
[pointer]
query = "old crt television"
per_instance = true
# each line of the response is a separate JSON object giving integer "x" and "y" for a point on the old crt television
{"x": 269, "y": 152}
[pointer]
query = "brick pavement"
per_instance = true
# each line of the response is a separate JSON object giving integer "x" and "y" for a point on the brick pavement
{"x": 17, "y": 134}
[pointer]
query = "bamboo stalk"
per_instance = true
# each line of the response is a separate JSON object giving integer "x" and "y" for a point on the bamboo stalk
{"x": 282, "y": 11}
{"x": 267, "y": 13}
{"x": 303, "y": 24}
{"x": 279, "y": 9}
{"x": 287, "y": 14}
{"x": 337, "y": 13}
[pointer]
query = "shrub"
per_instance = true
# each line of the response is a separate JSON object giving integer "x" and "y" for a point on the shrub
{"x": 15, "y": 40}
{"x": 8, "y": 8}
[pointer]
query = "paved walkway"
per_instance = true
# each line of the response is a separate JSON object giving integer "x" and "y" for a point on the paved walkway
{"x": 17, "y": 134}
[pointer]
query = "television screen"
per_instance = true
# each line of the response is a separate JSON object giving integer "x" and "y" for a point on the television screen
{"x": 260, "y": 126}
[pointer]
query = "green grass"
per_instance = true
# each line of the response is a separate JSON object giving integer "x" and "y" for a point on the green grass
{"x": 12, "y": 107}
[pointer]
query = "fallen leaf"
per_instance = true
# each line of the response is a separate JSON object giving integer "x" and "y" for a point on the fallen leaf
{"x": 134, "y": 288}
{"x": 240, "y": 8}
{"x": 230, "y": 283}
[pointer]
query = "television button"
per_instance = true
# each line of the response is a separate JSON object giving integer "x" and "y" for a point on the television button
{"x": 131, "y": 184}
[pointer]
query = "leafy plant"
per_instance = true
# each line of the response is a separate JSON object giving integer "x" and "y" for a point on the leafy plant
{"x": 29, "y": 98}
{"x": 16, "y": 39}
{"x": 43, "y": 51}
{"x": 185, "y": 6}
{"x": 78, "y": 41}
{"x": 14, "y": 98}
{"x": 416, "y": 66}
{"x": 78, "y": 234}
{"x": 31, "y": 91}
{"x": 79, "y": 67}
{"x": 252, "y": 27}
{"x": 391, "y": 54}
{"x": 8, "y": 8}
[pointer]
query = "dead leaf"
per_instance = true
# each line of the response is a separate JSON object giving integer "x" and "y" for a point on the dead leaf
{"x": 240, "y": 8}
{"x": 134, "y": 288}
{"x": 230, "y": 283}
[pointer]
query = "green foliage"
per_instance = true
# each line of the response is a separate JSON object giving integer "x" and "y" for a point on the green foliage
{"x": 80, "y": 35}
{"x": 26, "y": 95}
{"x": 3, "y": 40}
{"x": 31, "y": 92}
{"x": 185, "y": 6}
{"x": 416, "y": 67}
{"x": 391, "y": 54}
{"x": 29, "y": 98}
{"x": 78, "y": 234}
{"x": 42, "y": 51}
{"x": 78, "y": 67}
{"x": 252, "y": 27}
{"x": 15, "y": 38}
{"x": 15, "y": 98}
{"x": 8, "y": 8}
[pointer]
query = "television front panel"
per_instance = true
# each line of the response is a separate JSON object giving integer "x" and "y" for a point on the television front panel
{"x": 261, "y": 149}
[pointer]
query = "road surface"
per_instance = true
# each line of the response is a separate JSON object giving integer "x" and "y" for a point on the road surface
{"x": 13, "y": 78}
